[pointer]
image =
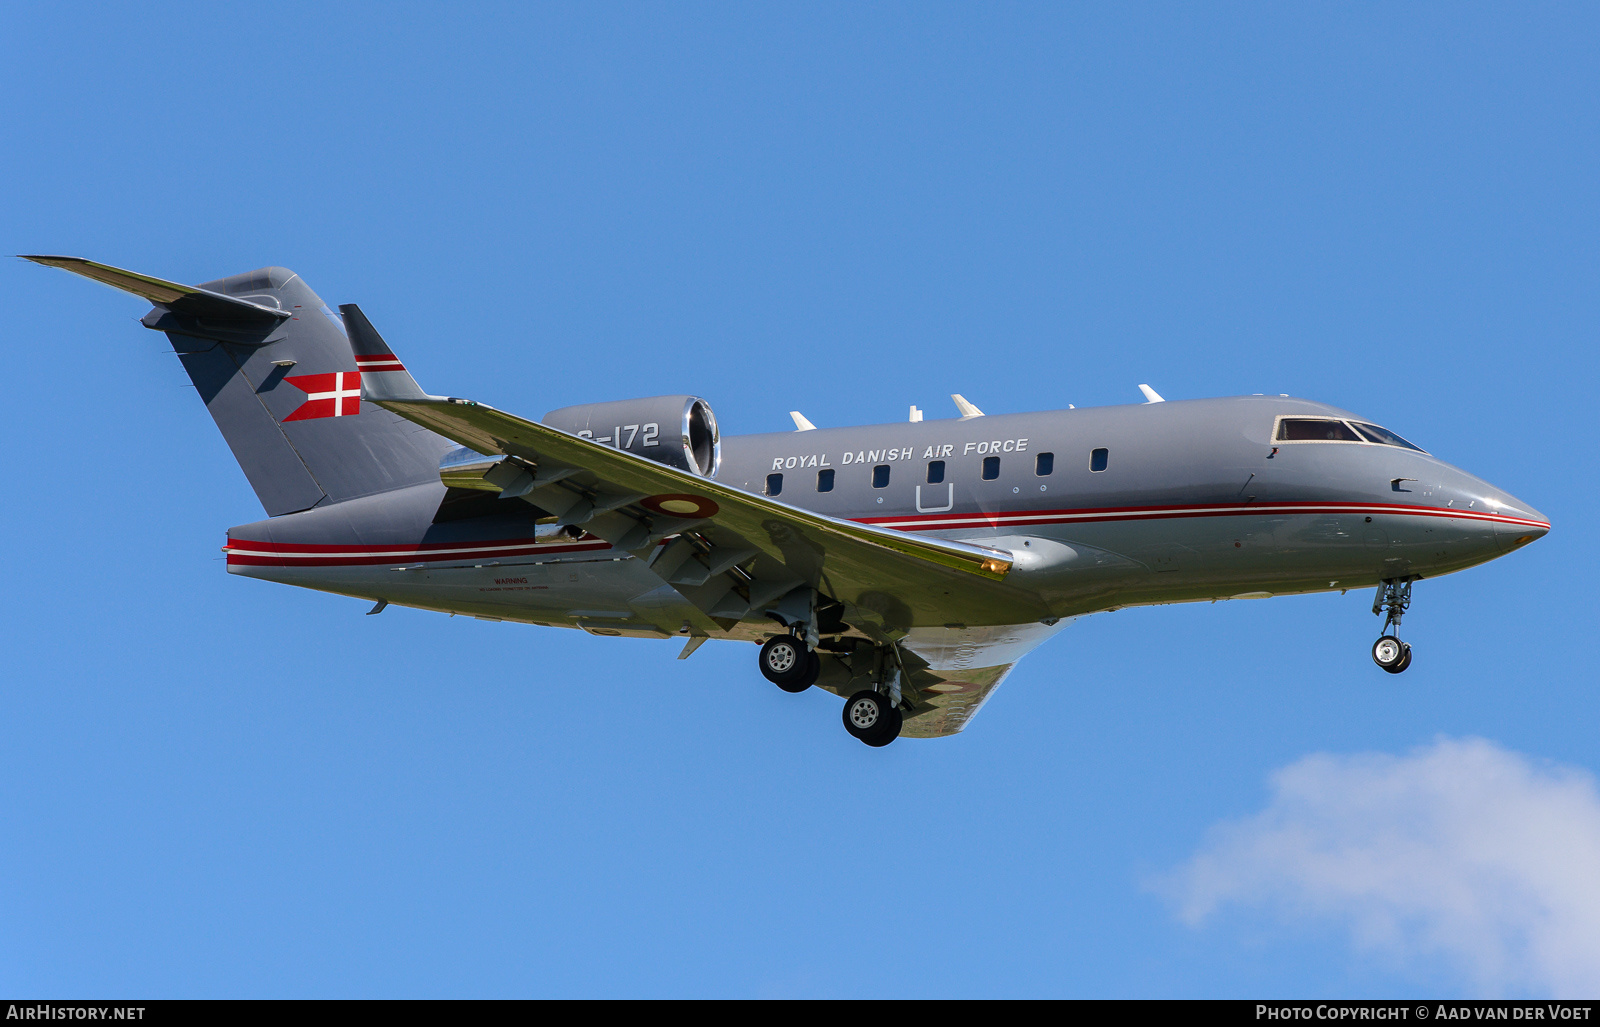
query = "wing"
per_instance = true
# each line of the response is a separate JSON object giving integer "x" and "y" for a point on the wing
{"x": 733, "y": 554}
{"x": 947, "y": 700}
{"x": 953, "y": 671}
{"x": 181, "y": 299}
{"x": 939, "y": 697}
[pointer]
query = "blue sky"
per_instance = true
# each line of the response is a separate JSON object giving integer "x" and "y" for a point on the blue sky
{"x": 215, "y": 786}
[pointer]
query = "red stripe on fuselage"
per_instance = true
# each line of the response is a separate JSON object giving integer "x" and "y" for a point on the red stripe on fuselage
{"x": 317, "y": 554}
{"x": 928, "y": 522}
{"x": 303, "y": 554}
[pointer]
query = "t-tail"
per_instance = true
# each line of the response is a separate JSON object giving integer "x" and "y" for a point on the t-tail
{"x": 281, "y": 374}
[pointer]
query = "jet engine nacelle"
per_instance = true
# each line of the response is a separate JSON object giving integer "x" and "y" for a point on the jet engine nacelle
{"x": 676, "y": 430}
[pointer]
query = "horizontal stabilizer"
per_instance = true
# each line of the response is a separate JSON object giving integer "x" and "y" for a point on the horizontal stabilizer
{"x": 383, "y": 376}
{"x": 364, "y": 338}
{"x": 181, "y": 299}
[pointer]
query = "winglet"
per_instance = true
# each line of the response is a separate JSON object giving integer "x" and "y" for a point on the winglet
{"x": 383, "y": 376}
{"x": 967, "y": 409}
{"x": 800, "y": 421}
{"x": 181, "y": 299}
{"x": 1150, "y": 395}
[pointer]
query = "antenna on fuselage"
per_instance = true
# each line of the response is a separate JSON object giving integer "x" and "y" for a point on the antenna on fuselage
{"x": 800, "y": 422}
{"x": 1151, "y": 395}
{"x": 916, "y": 415}
{"x": 967, "y": 409}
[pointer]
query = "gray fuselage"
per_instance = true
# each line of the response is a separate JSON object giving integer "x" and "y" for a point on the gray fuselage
{"x": 1196, "y": 500}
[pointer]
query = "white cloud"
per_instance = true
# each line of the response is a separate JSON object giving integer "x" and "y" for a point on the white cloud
{"x": 1461, "y": 850}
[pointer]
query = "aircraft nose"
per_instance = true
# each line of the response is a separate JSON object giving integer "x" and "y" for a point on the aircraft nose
{"x": 1516, "y": 522}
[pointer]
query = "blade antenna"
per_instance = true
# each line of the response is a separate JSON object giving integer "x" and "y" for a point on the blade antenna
{"x": 967, "y": 409}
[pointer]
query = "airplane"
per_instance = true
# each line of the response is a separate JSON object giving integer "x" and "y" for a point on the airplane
{"x": 904, "y": 567}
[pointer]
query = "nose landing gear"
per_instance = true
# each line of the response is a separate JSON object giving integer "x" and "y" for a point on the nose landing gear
{"x": 1393, "y": 598}
{"x": 1391, "y": 654}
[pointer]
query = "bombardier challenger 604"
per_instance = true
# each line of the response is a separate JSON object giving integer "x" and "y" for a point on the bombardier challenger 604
{"x": 904, "y": 567}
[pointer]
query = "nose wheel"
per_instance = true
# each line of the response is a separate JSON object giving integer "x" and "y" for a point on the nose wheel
{"x": 1391, "y": 654}
{"x": 788, "y": 663}
{"x": 1393, "y": 600}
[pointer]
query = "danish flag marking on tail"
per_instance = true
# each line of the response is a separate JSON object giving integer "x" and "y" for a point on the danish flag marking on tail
{"x": 327, "y": 395}
{"x": 378, "y": 362}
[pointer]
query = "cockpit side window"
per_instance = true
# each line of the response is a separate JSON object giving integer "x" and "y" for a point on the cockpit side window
{"x": 1383, "y": 436}
{"x": 1315, "y": 429}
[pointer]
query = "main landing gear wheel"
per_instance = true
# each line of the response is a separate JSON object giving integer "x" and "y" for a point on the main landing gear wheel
{"x": 871, "y": 717}
{"x": 786, "y": 662}
{"x": 1391, "y": 654}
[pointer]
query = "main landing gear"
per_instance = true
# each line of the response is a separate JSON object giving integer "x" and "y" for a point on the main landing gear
{"x": 1388, "y": 652}
{"x": 788, "y": 663}
{"x": 870, "y": 715}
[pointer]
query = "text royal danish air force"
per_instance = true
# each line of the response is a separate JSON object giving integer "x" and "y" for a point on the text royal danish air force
{"x": 938, "y": 451}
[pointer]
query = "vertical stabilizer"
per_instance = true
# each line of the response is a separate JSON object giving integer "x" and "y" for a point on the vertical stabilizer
{"x": 277, "y": 372}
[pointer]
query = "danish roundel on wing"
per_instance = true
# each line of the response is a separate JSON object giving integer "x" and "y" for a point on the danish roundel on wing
{"x": 679, "y": 505}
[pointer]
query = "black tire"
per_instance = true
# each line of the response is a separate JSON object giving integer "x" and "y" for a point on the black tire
{"x": 815, "y": 671}
{"x": 1405, "y": 661}
{"x": 866, "y": 714}
{"x": 809, "y": 678}
{"x": 786, "y": 662}
{"x": 1389, "y": 653}
{"x": 888, "y": 730}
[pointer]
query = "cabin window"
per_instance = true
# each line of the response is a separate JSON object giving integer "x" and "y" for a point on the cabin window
{"x": 774, "y": 484}
{"x": 1383, "y": 436}
{"x": 825, "y": 480}
{"x": 1044, "y": 464}
{"x": 1315, "y": 429}
{"x": 935, "y": 472}
{"x": 1099, "y": 460}
{"x": 880, "y": 476}
{"x": 991, "y": 468}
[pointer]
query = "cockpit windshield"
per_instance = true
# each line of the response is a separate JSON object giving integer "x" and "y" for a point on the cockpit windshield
{"x": 1332, "y": 429}
{"x": 1383, "y": 436}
